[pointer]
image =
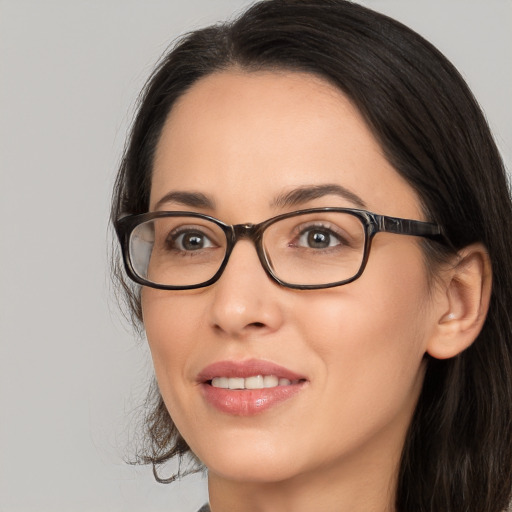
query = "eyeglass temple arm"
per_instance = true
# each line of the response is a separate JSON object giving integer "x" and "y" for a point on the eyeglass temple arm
{"x": 409, "y": 227}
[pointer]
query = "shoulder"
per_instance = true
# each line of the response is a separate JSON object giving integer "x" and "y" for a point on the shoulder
{"x": 204, "y": 508}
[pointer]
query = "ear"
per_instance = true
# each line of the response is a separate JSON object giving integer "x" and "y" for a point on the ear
{"x": 464, "y": 302}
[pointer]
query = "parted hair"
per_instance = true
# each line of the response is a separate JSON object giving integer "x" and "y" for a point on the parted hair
{"x": 458, "y": 452}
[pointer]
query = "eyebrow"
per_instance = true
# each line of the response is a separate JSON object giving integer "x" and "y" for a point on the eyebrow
{"x": 294, "y": 197}
{"x": 302, "y": 195}
{"x": 190, "y": 199}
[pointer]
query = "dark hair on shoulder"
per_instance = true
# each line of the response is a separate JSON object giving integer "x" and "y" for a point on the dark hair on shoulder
{"x": 458, "y": 452}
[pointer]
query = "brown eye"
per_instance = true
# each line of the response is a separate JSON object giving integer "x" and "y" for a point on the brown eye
{"x": 318, "y": 238}
{"x": 190, "y": 241}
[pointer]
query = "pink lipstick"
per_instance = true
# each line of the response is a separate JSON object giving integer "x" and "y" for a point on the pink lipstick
{"x": 245, "y": 388}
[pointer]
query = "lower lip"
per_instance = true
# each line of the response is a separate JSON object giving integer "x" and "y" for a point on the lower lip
{"x": 248, "y": 402}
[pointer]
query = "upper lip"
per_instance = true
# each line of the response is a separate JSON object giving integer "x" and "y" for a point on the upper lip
{"x": 246, "y": 368}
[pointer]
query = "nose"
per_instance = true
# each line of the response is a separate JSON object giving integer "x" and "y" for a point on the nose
{"x": 245, "y": 300}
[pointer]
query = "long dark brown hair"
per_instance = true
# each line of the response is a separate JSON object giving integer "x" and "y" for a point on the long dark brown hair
{"x": 458, "y": 452}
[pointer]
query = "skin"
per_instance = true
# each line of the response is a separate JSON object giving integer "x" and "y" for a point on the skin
{"x": 242, "y": 139}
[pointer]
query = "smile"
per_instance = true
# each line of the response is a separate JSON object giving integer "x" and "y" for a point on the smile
{"x": 250, "y": 387}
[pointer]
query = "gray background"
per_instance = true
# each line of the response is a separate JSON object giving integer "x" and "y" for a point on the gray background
{"x": 71, "y": 372}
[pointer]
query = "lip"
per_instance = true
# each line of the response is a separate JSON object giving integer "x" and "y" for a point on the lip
{"x": 246, "y": 368}
{"x": 244, "y": 402}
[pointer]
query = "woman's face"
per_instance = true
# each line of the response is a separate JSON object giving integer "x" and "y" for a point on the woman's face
{"x": 353, "y": 353}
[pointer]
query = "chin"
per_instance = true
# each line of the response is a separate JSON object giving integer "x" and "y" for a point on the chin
{"x": 249, "y": 459}
{"x": 256, "y": 471}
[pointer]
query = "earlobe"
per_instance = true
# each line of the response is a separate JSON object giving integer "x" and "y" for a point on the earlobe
{"x": 466, "y": 294}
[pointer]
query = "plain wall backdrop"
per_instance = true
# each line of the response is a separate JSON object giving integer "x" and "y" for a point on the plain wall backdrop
{"x": 71, "y": 372}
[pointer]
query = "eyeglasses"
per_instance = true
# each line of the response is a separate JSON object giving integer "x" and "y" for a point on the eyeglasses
{"x": 306, "y": 249}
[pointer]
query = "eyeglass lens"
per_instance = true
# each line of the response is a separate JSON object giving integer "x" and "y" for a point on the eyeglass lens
{"x": 313, "y": 249}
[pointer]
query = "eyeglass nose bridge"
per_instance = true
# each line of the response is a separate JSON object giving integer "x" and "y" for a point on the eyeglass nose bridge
{"x": 250, "y": 231}
{"x": 254, "y": 233}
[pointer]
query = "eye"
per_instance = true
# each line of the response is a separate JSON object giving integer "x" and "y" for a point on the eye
{"x": 317, "y": 237}
{"x": 189, "y": 240}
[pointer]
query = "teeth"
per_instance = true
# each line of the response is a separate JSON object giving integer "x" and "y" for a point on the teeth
{"x": 255, "y": 382}
{"x": 236, "y": 383}
{"x": 221, "y": 382}
{"x": 270, "y": 381}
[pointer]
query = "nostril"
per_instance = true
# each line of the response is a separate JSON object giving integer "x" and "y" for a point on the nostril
{"x": 256, "y": 324}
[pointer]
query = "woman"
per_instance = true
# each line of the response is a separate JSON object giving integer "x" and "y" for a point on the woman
{"x": 308, "y": 206}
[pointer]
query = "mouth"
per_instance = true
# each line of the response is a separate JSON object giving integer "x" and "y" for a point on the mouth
{"x": 246, "y": 388}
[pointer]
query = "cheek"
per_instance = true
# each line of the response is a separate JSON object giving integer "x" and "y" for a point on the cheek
{"x": 370, "y": 335}
{"x": 360, "y": 342}
{"x": 170, "y": 322}
{"x": 173, "y": 324}
{"x": 376, "y": 311}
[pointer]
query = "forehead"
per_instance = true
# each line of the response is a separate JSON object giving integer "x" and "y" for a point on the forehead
{"x": 245, "y": 137}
